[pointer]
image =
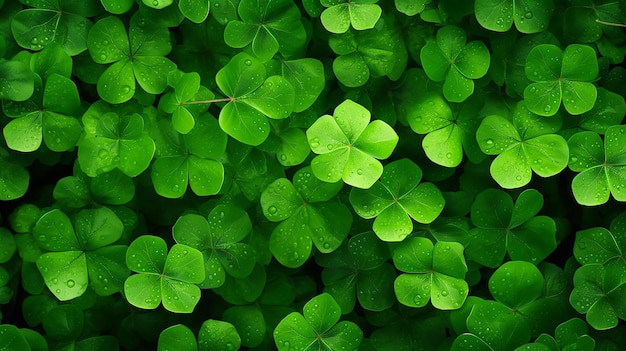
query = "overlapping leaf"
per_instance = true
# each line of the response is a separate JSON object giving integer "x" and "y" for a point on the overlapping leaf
{"x": 341, "y": 14}
{"x": 529, "y": 16}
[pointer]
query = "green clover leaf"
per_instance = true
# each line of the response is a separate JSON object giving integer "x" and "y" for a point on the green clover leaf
{"x": 502, "y": 226}
{"x": 561, "y": 76}
{"x": 448, "y": 133}
{"x": 81, "y": 254}
{"x": 114, "y": 141}
{"x": 14, "y": 177}
{"x": 48, "y": 116}
{"x": 169, "y": 278}
{"x": 373, "y": 53}
{"x": 17, "y": 82}
{"x": 348, "y": 146}
{"x": 268, "y": 27}
{"x": 138, "y": 57}
{"x": 177, "y": 337}
{"x": 181, "y": 102}
{"x": 188, "y": 160}
{"x": 602, "y": 172}
{"x": 307, "y": 216}
{"x": 318, "y": 328}
{"x": 579, "y": 21}
{"x": 62, "y": 22}
{"x": 432, "y": 272}
{"x": 111, "y": 188}
{"x": 609, "y": 110}
{"x": 196, "y": 11}
{"x": 453, "y": 61}
{"x": 253, "y": 98}
{"x": 219, "y": 239}
{"x": 524, "y": 145}
{"x": 602, "y": 246}
{"x": 529, "y": 16}
{"x": 341, "y": 14}
{"x": 397, "y": 199}
{"x": 599, "y": 296}
{"x": 358, "y": 270}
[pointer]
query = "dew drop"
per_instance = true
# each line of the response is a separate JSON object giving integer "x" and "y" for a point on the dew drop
{"x": 315, "y": 142}
{"x": 272, "y": 210}
{"x": 70, "y": 283}
{"x": 248, "y": 62}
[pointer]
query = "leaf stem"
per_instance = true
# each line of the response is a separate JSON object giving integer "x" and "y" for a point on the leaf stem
{"x": 199, "y": 102}
{"x": 611, "y": 24}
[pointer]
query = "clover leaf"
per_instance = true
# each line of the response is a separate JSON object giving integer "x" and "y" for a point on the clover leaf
{"x": 348, "y": 146}
{"x": 177, "y": 337}
{"x": 397, "y": 199}
{"x": 59, "y": 21}
{"x": 602, "y": 246}
{"x": 48, "y": 116}
{"x": 306, "y": 76}
{"x": 181, "y": 103}
{"x": 138, "y": 57}
{"x": 17, "y": 82}
{"x": 602, "y": 172}
{"x": 373, "y": 53}
{"x": 599, "y": 295}
{"x": 169, "y": 278}
{"x": 582, "y": 21}
{"x": 111, "y": 188}
{"x": 252, "y": 98}
{"x": 82, "y": 254}
{"x": 358, "y": 270}
{"x": 213, "y": 335}
{"x": 609, "y": 110}
{"x": 12, "y": 339}
{"x": 502, "y": 226}
{"x": 448, "y": 133}
{"x": 453, "y": 61}
{"x": 188, "y": 160}
{"x": 269, "y": 27}
{"x": 561, "y": 75}
{"x": 341, "y": 14}
{"x": 524, "y": 145}
{"x": 571, "y": 334}
{"x": 411, "y": 7}
{"x": 219, "y": 240}
{"x": 114, "y": 141}
{"x": 196, "y": 11}
{"x": 8, "y": 245}
{"x": 318, "y": 328}
{"x": 432, "y": 272}
{"x": 307, "y": 216}
{"x": 529, "y": 16}
{"x": 14, "y": 178}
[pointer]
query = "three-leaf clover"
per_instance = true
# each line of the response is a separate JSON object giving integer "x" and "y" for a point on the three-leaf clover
{"x": 599, "y": 295}
{"x": 219, "y": 240}
{"x": 453, "y": 61}
{"x": 114, "y": 139}
{"x": 167, "y": 277}
{"x": 396, "y": 199}
{"x": 252, "y": 98}
{"x": 529, "y": 16}
{"x": 561, "y": 75}
{"x": 606, "y": 247}
{"x": 48, "y": 116}
{"x": 348, "y": 145}
{"x": 432, "y": 272}
{"x": 179, "y": 103}
{"x": 448, "y": 133}
{"x": 359, "y": 270}
{"x": 81, "y": 254}
{"x": 58, "y": 21}
{"x": 138, "y": 57}
{"x": 213, "y": 335}
{"x": 602, "y": 169}
{"x": 307, "y": 216}
{"x": 268, "y": 26}
{"x": 341, "y": 14}
{"x": 502, "y": 226}
{"x": 188, "y": 160}
{"x": 524, "y": 145}
{"x": 317, "y": 328}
